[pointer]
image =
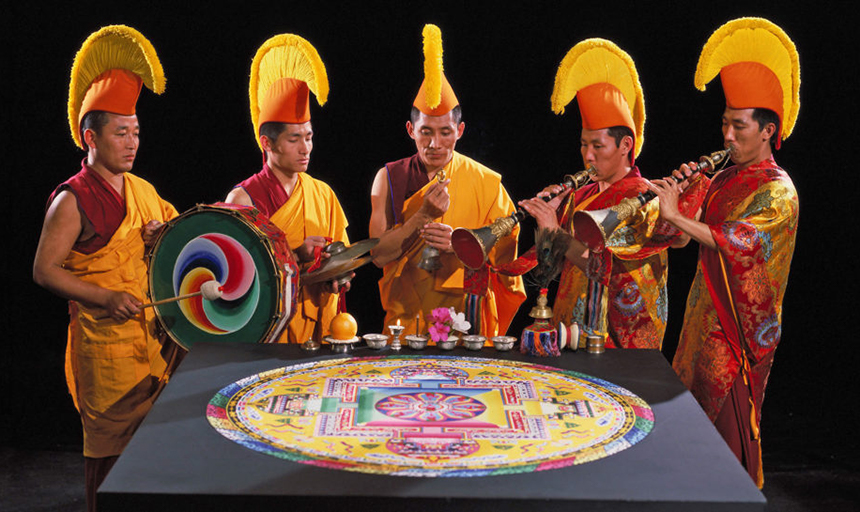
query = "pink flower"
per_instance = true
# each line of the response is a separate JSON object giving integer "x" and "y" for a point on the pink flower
{"x": 439, "y": 332}
{"x": 441, "y": 315}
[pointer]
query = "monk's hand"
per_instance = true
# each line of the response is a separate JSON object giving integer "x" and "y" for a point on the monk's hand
{"x": 438, "y": 235}
{"x": 543, "y": 212}
{"x": 684, "y": 172}
{"x": 121, "y": 306}
{"x": 556, "y": 201}
{"x": 668, "y": 190}
{"x": 334, "y": 287}
{"x": 436, "y": 200}
{"x": 305, "y": 252}
{"x": 151, "y": 231}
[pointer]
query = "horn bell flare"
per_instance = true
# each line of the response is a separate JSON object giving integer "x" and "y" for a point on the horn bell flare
{"x": 593, "y": 227}
{"x": 471, "y": 245}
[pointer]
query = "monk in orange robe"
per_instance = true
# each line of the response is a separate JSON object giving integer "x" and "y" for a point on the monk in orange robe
{"x": 306, "y": 209}
{"x": 413, "y": 209}
{"x": 91, "y": 251}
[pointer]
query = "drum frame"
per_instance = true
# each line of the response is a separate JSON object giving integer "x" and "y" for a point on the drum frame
{"x": 279, "y": 260}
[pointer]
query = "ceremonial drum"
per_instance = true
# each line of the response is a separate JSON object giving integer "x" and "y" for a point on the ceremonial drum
{"x": 245, "y": 253}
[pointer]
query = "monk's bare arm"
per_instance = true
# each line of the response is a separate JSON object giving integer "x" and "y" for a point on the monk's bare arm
{"x": 392, "y": 242}
{"x": 239, "y": 196}
{"x": 684, "y": 238}
{"x": 62, "y": 228}
{"x": 668, "y": 191}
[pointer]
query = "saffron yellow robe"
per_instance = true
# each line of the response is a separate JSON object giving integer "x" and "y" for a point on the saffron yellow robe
{"x": 311, "y": 210}
{"x": 477, "y": 198}
{"x": 114, "y": 370}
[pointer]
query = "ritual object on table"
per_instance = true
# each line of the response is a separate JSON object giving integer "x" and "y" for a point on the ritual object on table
{"x": 474, "y": 341}
{"x": 504, "y": 343}
{"x": 342, "y": 332}
{"x": 376, "y": 341}
{"x": 416, "y": 341}
{"x": 444, "y": 323}
{"x": 569, "y": 335}
{"x": 396, "y": 331}
{"x": 595, "y": 344}
{"x": 540, "y": 338}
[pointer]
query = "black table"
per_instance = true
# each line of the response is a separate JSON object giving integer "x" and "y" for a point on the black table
{"x": 177, "y": 461}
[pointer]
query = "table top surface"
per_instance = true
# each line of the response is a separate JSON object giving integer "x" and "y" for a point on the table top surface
{"x": 177, "y": 455}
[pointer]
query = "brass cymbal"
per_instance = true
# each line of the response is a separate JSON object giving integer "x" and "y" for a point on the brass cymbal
{"x": 343, "y": 260}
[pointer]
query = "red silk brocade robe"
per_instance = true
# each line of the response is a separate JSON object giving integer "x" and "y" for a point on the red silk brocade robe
{"x": 311, "y": 210}
{"x": 752, "y": 214}
{"x": 622, "y": 293}
{"x": 114, "y": 370}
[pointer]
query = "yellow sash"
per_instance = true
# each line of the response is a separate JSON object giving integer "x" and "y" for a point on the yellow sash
{"x": 113, "y": 368}
{"x": 311, "y": 210}
{"x": 406, "y": 291}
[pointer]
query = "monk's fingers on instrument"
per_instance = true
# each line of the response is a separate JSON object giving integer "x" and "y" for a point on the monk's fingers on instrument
{"x": 437, "y": 238}
{"x": 549, "y": 190}
{"x": 316, "y": 241}
{"x": 438, "y": 227}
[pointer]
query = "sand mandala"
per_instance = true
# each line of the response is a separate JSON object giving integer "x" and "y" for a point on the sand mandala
{"x": 430, "y": 416}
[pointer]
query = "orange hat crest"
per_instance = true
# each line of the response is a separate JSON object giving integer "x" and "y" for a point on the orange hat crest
{"x": 603, "y": 77}
{"x": 435, "y": 97}
{"x": 284, "y": 71}
{"x": 110, "y": 69}
{"x": 758, "y": 66}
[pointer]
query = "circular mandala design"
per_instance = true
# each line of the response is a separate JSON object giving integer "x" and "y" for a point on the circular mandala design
{"x": 430, "y": 416}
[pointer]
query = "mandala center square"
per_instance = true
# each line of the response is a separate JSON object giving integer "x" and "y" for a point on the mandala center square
{"x": 430, "y": 407}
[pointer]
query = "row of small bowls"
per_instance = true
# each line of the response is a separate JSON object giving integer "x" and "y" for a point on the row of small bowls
{"x": 418, "y": 342}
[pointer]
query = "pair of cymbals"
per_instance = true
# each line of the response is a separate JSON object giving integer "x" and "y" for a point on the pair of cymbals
{"x": 342, "y": 262}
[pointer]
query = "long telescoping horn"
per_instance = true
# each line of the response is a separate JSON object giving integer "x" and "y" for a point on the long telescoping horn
{"x": 472, "y": 246}
{"x": 593, "y": 228}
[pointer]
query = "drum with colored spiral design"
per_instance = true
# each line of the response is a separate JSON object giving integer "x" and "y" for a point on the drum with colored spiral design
{"x": 245, "y": 253}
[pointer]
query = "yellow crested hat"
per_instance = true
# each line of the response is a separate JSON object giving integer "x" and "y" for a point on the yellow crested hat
{"x": 758, "y": 66}
{"x": 284, "y": 70}
{"x": 108, "y": 73}
{"x": 435, "y": 97}
{"x": 603, "y": 77}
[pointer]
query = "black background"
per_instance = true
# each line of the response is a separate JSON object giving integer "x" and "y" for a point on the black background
{"x": 197, "y": 142}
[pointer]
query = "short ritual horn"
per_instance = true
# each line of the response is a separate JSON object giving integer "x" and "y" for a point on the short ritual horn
{"x": 593, "y": 228}
{"x": 473, "y": 245}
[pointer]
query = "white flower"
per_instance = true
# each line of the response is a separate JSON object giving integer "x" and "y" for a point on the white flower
{"x": 458, "y": 322}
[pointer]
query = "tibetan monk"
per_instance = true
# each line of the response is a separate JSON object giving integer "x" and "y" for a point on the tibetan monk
{"x": 618, "y": 293}
{"x": 412, "y": 209}
{"x": 304, "y": 208}
{"x": 91, "y": 251}
{"x": 746, "y": 234}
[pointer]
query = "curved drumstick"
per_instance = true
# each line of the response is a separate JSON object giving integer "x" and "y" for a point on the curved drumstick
{"x": 210, "y": 290}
